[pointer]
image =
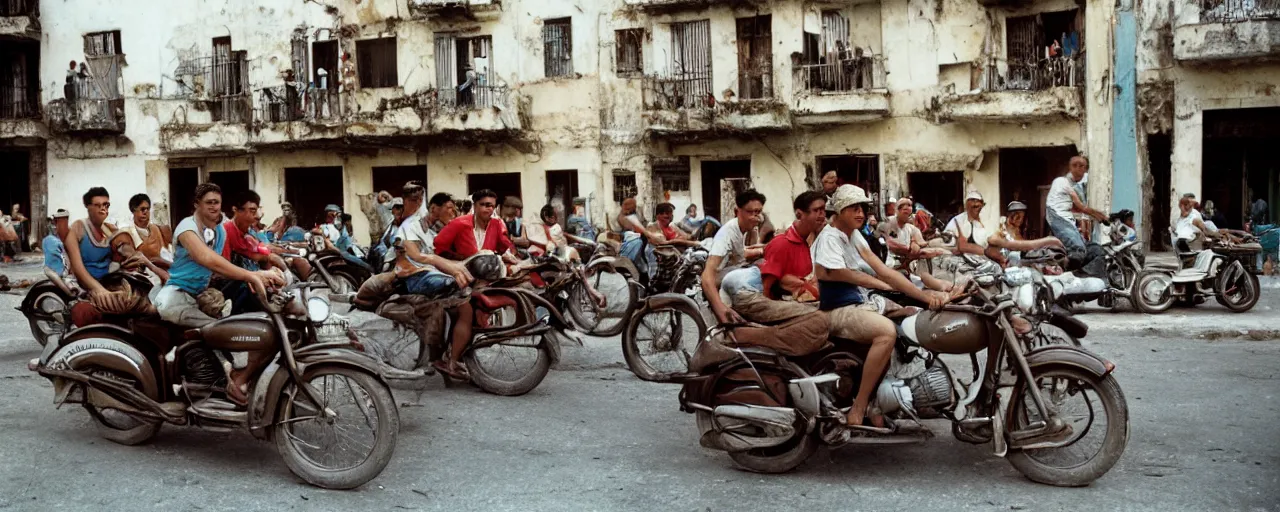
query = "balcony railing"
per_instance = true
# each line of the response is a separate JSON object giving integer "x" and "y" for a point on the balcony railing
{"x": 285, "y": 103}
{"x": 677, "y": 92}
{"x": 83, "y": 114}
{"x": 232, "y": 108}
{"x": 1228, "y": 11}
{"x": 18, "y": 7}
{"x": 477, "y": 97}
{"x": 846, "y": 75}
{"x": 1035, "y": 76}
{"x": 17, "y": 102}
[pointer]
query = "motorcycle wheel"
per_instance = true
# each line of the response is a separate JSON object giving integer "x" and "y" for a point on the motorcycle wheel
{"x": 485, "y": 366}
{"x": 112, "y": 425}
{"x": 777, "y": 459}
{"x": 1051, "y": 465}
{"x": 41, "y": 320}
{"x": 658, "y": 344}
{"x": 1237, "y": 289}
{"x": 1153, "y": 292}
{"x": 311, "y": 447}
{"x": 346, "y": 283}
{"x": 620, "y": 303}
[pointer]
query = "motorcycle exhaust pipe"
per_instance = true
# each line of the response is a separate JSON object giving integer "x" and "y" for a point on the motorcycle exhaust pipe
{"x": 739, "y": 428}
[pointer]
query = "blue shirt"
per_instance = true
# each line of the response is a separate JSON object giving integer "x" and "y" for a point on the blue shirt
{"x": 55, "y": 254}
{"x": 185, "y": 273}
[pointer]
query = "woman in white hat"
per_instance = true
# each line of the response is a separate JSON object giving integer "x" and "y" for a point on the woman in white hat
{"x": 1008, "y": 236}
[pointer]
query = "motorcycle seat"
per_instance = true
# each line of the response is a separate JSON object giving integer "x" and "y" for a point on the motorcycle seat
{"x": 1189, "y": 276}
{"x": 494, "y": 302}
{"x": 161, "y": 333}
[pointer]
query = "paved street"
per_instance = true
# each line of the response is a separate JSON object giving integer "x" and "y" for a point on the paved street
{"x": 1204, "y": 436}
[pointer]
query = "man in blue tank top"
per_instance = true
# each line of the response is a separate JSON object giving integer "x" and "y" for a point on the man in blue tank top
{"x": 199, "y": 240}
{"x": 88, "y": 246}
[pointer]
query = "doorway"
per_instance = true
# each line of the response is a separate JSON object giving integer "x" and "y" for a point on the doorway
{"x": 392, "y": 179}
{"x": 310, "y": 189}
{"x": 859, "y": 170}
{"x": 504, "y": 184}
{"x": 562, "y": 187}
{"x": 716, "y": 175}
{"x": 233, "y": 184}
{"x": 182, "y": 185}
{"x": 324, "y": 55}
{"x": 1240, "y": 163}
{"x": 1159, "y": 153}
{"x": 15, "y": 182}
{"x": 1025, "y": 175}
{"x": 938, "y": 192}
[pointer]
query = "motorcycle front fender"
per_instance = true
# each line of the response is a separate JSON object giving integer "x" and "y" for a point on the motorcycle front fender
{"x": 616, "y": 264}
{"x": 265, "y": 400}
{"x": 1074, "y": 357}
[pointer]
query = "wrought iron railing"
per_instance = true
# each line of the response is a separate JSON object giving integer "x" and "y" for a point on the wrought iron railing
{"x": 1034, "y": 76}
{"x": 223, "y": 83}
{"x": 677, "y": 92}
{"x": 845, "y": 75}
{"x": 476, "y": 97}
{"x": 1238, "y": 10}
{"x": 17, "y": 101}
{"x": 83, "y": 114}
{"x": 232, "y": 108}
{"x": 286, "y": 103}
{"x": 18, "y": 7}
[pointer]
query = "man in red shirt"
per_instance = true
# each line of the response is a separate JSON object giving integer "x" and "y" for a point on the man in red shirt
{"x": 756, "y": 292}
{"x": 245, "y": 251}
{"x": 467, "y": 235}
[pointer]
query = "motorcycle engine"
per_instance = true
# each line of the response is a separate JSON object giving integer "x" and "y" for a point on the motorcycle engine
{"x": 928, "y": 390}
{"x": 200, "y": 366}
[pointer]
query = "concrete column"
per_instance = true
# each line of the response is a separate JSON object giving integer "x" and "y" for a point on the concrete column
{"x": 1126, "y": 181}
{"x": 1097, "y": 141}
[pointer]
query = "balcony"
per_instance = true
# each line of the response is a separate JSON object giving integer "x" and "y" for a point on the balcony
{"x": 459, "y": 9}
{"x": 20, "y": 19}
{"x": 1044, "y": 90}
{"x": 683, "y": 107}
{"x": 661, "y": 6}
{"x": 86, "y": 116}
{"x": 1229, "y": 31}
{"x": 291, "y": 113}
{"x": 845, "y": 91}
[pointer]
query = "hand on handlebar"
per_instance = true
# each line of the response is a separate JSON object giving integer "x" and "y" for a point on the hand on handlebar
{"x": 459, "y": 273}
{"x": 727, "y": 315}
{"x": 937, "y": 299}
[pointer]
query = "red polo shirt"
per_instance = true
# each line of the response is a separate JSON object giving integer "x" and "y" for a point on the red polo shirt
{"x": 457, "y": 240}
{"x": 786, "y": 255}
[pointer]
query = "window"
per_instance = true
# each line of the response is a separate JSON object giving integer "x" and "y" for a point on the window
{"x": 689, "y": 82}
{"x": 755, "y": 57}
{"x": 230, "y": 91}
{"x": 624, "y": 185}
{"x": 324, "y": 55}
{"x": 557, "y": 47}
{"x": 630, "y": 47}
{"x": 376, "y": 62}
{"x": 102, "y": 43}
{"x": 465, "y": 61}
{"x": 1042, "y": 51}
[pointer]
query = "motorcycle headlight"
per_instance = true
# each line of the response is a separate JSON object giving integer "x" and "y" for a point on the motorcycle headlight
{"x": 1019, "y": 276}
{"x": 318, "y": 309}
{"x": 1033, "y": 298}
{"x": 317, "y": 243}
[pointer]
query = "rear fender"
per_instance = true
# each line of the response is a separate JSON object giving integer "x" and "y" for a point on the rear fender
{"x": 29, "y": 302}
{"x": 1074, "y": 357}
{"x": 677, "y": 301}
{"x": 108, "y": 358}
{"x": 616, "y": 264}
{"x": 264, "y": 401}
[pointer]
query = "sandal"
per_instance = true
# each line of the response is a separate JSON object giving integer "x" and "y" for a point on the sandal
{"x": 458, "y": 373}
{"x": 235, "y": 395}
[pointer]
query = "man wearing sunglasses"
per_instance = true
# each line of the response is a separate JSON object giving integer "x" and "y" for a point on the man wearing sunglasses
{"x": 469, "y": 234}
{"x": 89, "y": 253}
{"x": 197, "y": 256}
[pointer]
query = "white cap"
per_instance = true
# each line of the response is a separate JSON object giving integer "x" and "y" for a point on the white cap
{"x": 974, "y": 194}
{"x": 848, "y": 195}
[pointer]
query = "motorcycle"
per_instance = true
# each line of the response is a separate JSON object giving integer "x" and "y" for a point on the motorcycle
{"x": 308, "y": 401}
{"x": 328, "y": 266}
{"x": 770, "y": 407}
{"x": 1225, "y": 271}
{"x": 47, "y": 307}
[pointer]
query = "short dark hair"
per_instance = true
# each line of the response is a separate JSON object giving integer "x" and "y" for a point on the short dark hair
{"x": 483, "y": 193}
{"x": 465, "y": 206}
{"x": 205, "y": 188}
{"x": 664, "y": 208}
{"x": 806, "y": 199}
{"x": 440, "y": 199}
{"x": 95, "y": 192}
{"x": 547, "y": 211}
{"x": 247, "y": 196}
{"x": 137, "y": 200}
{"x": 747, "y": 196}
{"x": 413, "y": 189}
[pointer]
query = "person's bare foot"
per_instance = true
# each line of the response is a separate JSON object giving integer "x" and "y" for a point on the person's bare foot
{"x": 237, "y": 388}
{"x": 857, "y": 416}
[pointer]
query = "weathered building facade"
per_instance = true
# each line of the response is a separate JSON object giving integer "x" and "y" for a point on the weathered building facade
{"x": 680, "y": 100}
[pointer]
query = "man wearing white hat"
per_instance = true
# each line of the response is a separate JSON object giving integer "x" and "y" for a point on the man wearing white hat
{"x": 846, "y": 270}
{"x": 55, "y": 254}
{"x": 971, "y": 235}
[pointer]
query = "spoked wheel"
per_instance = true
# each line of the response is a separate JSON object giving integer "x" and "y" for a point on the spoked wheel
{"x": 113, "y": 425}
{"x": 43, "y": 320}
{"x": 513, "y": 367}
{"x": 347, "y": 447}
{"x": 1237, "y": 289}
{"x": 1098, "y": 418}
{"x": 1153, "y": 292}
{"x": 658, "y": 344}
{"x": 620, "y": 303}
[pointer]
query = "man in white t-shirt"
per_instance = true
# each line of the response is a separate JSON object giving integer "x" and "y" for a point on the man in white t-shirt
{"x": 728, "y": 249}
{"x": 1061, "y": 202}
{"x": 971, "y": 235}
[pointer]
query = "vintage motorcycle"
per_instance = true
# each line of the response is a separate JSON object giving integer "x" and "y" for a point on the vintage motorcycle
{"x": 328, "y": 266}
{"x": 329, "y": 413}
{"x": 1225, "y": 271}
{"x": 770, "y": 406}
{"x": 47, "y": 307}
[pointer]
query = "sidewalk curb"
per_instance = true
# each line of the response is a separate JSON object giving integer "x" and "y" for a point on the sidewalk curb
{"x": 1206, "y": 334}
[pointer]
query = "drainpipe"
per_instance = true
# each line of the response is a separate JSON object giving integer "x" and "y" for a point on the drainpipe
{"x": 1126, "y": 184}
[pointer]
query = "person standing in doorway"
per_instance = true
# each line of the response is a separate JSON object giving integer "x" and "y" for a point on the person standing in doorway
{"x": 1062, "y": 202}
{"x": 22, "y": 225}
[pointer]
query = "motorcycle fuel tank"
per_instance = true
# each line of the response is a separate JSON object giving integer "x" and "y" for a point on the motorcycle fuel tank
{"x": 947, "y": 332}
{"x": 241, "y": 333}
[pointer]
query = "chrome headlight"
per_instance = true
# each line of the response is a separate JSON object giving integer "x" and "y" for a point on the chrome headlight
{"x": 1018, "y": 276}
{"x": 1033, "y": 298}
{"x": 318, "y": 309}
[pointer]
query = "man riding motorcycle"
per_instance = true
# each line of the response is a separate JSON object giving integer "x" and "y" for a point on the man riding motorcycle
{"x": 728, "y": 250}
{"x": 756, "y": 292}
{"x": 89, "y": 253}
{"x": 1008, "y": 240}
{"x": 247, "y": 252}
{"x": 846, "y": 270}
{"x": 198, "y": 254}
{"x": 1060, "y": 205}
{"x": 467, "y": 235}
{"x": 147, "y": 238}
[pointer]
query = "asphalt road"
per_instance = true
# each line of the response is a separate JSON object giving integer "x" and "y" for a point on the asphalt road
{"x": 1204, "y": 436}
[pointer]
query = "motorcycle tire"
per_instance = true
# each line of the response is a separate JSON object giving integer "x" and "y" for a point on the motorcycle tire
{"x": 1145, "y": 304}
{"x": 1252, "y": 291}
{"x": 493, "y": 384}
{"x": 112, "y": 425}
{"x": 596, "y": 323}
{"x": 636, "y": 361}
{"x": 40, "y": 319}
{"x": 384, "y": 445}
{"x": 778, "y": 459}
{"x": 1116, "y": 435}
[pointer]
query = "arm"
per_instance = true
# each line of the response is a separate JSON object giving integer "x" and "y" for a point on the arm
{"x": 754, "y": 252}
{"x": 1078, "y": 205}
{"x": 683, "y": 240}
{"x": 72, "y": 246}
{"x": 453, "y": 268}
{"x": 205, "y": 256}
{"x": 712, "y": 292}
{"x": 963, "y": 246}
{"x": 899, "y": 281}
{"x": 1022, "y": 245}
{"x": 850, "y": 276}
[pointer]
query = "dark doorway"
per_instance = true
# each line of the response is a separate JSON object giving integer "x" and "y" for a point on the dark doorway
{"x": 1159, "y": 152}
{"x": 392, "y": 179}
{"x": 716, "y": 172}
{"x": 182, "y": 185}
{"x": 503, "y": 183}
{"x": 860, "y": 170}
{"x": 324, "y": 55}
{"x": 938, "y": 192}
{"x": 1240, "y": 162}
{"x": 1025, "y": 175}
{"x": 15, "y": 183}
{"x": 562, "y": 187}
{"x": 310, "y": 189}
{"x": 233, "y": 184}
